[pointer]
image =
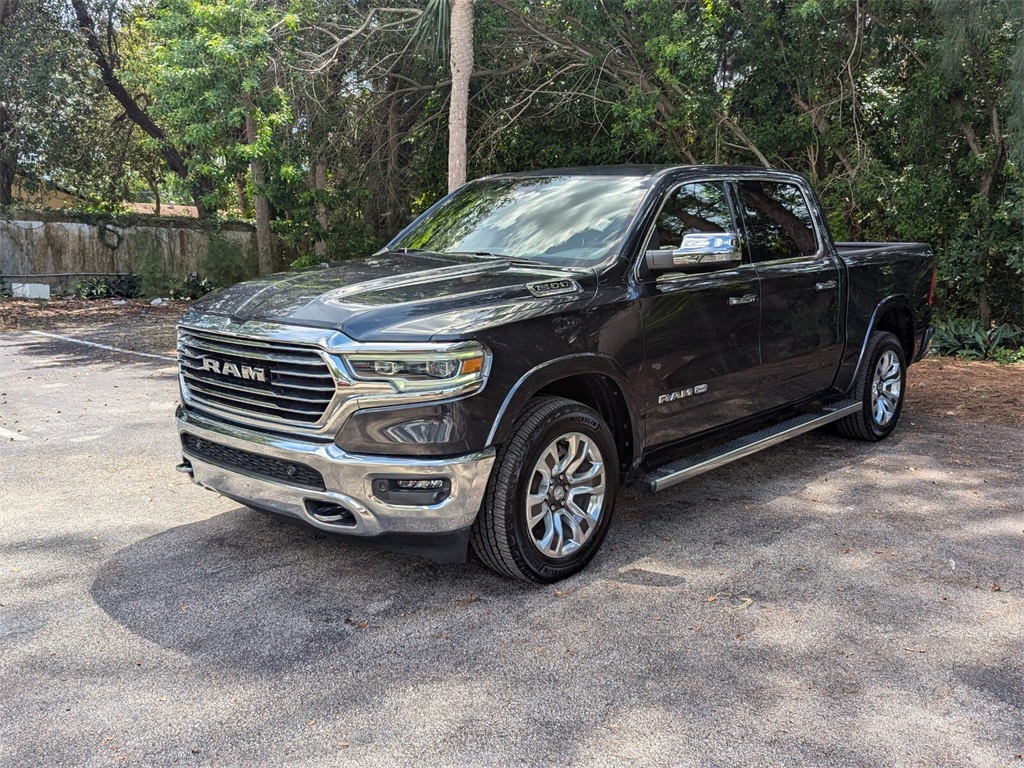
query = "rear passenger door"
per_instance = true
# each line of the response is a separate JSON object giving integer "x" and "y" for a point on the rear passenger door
{"x": 801, "y": 338}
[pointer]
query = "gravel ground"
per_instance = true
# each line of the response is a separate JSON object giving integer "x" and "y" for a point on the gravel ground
{"x": 823, "y": 603}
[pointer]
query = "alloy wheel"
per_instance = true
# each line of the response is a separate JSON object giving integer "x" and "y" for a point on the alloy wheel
{"x": 565, "y": 495}
{"x": 886, "y": 387}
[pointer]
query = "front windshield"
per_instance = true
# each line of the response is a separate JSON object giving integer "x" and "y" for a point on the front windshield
{"x": 559, "y": 220}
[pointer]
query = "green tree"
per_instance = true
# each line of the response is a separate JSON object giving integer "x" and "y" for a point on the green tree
{"x": 102, "y": 42}
{"x": 208, "y": 70}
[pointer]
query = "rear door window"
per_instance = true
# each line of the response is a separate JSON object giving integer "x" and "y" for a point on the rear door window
{"x": 778, "y": 221}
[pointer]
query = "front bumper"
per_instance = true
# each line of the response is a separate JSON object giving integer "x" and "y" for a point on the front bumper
{"x": 347, "y": 480}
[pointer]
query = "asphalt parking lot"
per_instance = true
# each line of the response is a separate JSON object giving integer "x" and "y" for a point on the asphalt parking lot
{"x": 823, "y": 603}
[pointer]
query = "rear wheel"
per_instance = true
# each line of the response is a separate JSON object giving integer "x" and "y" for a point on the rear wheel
{"x": 551, "y": 493}
{"x": 881, "y": 383}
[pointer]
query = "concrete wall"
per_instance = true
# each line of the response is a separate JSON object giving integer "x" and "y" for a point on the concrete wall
{"x": 54, "y": 247}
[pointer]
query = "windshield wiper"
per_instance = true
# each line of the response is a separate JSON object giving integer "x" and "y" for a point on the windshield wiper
{"x": 487, "y": 254}
{"x": 511, "y": 259}
{"x": 483, "y": 254}
{"x": 528, "y": 261}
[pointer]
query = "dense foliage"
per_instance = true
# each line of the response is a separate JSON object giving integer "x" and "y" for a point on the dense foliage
{"x": 328, "y": 118}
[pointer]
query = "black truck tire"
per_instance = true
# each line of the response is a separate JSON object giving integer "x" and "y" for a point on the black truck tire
{"x": 551, "y": 493}
{"x": 880, "y": 386}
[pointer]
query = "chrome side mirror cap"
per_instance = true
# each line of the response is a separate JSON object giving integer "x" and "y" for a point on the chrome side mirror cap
{"x": 699, "y": 252}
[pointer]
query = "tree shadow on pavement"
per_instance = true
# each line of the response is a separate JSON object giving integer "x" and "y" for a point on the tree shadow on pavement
{"x": 825, "y": 603}
{"x": 55, "y": 353}
{"x": 248, "y": 590}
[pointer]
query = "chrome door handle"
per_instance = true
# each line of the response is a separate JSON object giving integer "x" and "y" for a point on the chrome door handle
{"x": 747, "y": 298}
{"x": 826, "y": 286}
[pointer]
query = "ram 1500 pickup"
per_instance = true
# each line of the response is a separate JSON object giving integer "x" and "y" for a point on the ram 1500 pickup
{"x": 535, "y": 339}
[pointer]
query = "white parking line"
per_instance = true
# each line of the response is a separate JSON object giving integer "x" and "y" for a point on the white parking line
{"x": 165, "y": 358}
{"x": 6, "y": 434}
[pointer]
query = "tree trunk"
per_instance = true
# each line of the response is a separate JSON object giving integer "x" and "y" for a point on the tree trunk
{"x": 8, "y": 160}
{"x": 264, "y": 249}
{"x": 462, "y": 67}
{"x": 984, "y": 305}
{"x": 243, "y": 198}
{"x": 6, "y": 182}
{"x": 155, "y": 189}
{"x": 320, "y": 187}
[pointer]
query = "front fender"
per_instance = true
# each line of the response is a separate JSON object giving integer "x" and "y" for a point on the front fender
{"x": 552, "y": 371}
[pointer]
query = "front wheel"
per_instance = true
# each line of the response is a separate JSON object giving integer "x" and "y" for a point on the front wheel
{"x": 551, "y": 493}
{"x": 880, "y": 387}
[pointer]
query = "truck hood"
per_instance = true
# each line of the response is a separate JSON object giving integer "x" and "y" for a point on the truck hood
{"x": 401, "y": 296}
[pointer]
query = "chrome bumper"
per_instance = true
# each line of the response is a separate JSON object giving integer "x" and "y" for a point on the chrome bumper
{"x": 348, "y": 480}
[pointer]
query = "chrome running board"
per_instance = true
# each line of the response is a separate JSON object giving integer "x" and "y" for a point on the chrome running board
{"x": 691, "y": 466}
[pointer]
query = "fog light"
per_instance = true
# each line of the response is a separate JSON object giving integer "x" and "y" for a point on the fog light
{"x": 420, "y": 485}
{"x": 414, "y": 492}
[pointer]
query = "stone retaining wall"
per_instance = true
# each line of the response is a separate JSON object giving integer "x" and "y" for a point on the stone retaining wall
{"x": 56, "y": 247}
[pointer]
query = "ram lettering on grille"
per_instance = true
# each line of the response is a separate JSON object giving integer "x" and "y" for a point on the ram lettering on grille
{"x": 246, "y": 372}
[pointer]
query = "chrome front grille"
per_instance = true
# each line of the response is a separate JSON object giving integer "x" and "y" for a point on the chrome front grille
{"x": 255, "y": 380}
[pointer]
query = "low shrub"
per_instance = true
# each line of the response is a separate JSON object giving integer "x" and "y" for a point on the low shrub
{"x": 967, "y": 339}
{"x": 107, "y": 287}
{"x": 125, "y": 286}
{"x": 154, "y": 279}
{"x": 226, "y": 263}
{"x": 192, "y": 288}
{"x": 1008, "y": 356}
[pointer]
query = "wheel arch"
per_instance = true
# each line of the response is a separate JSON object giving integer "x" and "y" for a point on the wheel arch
{"x": 892, "y": 315}
{"x": 594, "y": 380}
{"x": 897, "y": 319}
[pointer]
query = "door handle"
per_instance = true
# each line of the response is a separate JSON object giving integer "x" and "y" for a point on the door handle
{"x": 747, "y": 298}
{"x": 826, "y": 286}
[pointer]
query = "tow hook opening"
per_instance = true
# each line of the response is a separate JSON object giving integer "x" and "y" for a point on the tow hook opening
{"x": 330, "y": 513}
{"x": 186, "y": 467}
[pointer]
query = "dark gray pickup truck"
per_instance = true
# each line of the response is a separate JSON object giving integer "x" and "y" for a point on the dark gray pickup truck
{"x": 532, "y": 341}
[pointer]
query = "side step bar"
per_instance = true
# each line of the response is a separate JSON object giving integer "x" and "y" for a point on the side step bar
{"x": 691, "y": 466}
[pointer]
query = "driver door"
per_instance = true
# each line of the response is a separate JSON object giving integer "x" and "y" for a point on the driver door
{"x": 700, "y": 329}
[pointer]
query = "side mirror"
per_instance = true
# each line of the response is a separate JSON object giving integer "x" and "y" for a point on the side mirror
{"x": 699, "y": 252}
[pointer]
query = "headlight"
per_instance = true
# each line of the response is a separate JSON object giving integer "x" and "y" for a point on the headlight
{"x": 459, "y": 369}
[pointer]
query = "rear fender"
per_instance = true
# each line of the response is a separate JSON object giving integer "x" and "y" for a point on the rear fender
{"x": 848, "y": 372}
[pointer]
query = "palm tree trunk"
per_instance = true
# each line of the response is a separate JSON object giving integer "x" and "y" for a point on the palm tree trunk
{"x": 462, "y": 67}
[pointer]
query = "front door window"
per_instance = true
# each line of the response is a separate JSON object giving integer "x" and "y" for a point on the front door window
{"x": 697, "y": 207}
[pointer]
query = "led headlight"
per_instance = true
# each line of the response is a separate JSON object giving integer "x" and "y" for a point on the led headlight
{"x": 459, "y": 368}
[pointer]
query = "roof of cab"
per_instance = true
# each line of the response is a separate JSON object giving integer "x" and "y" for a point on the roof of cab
{"x": 640, "y": 171}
